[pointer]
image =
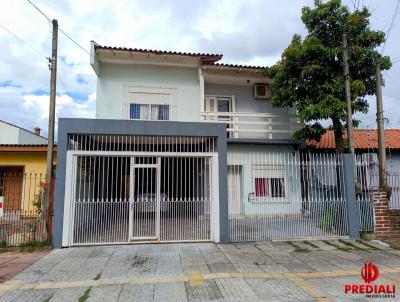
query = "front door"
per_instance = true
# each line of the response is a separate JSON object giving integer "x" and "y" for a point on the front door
{"x": 144, "y": 201}
{"x": 11, "y": 184}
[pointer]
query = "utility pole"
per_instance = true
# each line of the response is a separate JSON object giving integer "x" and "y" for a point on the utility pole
{"x": 381, "y": 129}
{"x": 348, "y": 97}
{"x": 52, "y": 108}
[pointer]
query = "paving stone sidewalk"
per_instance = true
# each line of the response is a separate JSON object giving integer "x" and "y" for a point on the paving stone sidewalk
{"x": 14, "y": 262}
{"x": 277, "y": 271}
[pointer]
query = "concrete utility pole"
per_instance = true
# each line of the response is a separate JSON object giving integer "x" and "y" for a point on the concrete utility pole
{"x": 52, "y": 108}
{"x": 348, "y": 97}
{"x": 381, "y": 129}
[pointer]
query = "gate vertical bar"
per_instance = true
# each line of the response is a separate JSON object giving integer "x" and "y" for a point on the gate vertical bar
{"x": 158, "y": 197}
{"x": 131, "y": 196}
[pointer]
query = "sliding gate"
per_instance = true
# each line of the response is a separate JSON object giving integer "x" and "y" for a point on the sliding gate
{"x": 136, "y": 198}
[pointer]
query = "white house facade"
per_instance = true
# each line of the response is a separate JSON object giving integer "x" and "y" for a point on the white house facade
{"x": 183, "y": 148}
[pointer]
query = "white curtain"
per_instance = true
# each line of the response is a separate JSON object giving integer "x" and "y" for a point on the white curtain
{"x": 154, "y": 112}
{"x": 144, "y": 112}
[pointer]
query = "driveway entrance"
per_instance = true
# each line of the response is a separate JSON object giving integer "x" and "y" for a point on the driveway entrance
{"x": 278, "y": 271}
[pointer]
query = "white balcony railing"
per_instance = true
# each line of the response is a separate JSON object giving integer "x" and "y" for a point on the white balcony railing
{"x": 255, "y": 125}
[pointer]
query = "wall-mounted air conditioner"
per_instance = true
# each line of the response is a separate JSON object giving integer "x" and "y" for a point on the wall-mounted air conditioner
{"x": 262, "y": 91}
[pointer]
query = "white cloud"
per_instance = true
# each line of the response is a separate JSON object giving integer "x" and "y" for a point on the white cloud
{"x": 251, "y": 32}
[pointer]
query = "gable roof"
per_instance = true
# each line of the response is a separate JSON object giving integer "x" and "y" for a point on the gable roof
{"x": 363, "y": 139}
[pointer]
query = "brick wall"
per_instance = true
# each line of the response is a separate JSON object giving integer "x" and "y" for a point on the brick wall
{"x": 387, "y": 221}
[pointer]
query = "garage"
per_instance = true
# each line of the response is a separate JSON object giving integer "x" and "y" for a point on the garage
{"x": 136, "y": 189}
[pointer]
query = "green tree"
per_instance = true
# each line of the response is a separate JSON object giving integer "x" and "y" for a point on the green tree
{"x": 310, "y": 77}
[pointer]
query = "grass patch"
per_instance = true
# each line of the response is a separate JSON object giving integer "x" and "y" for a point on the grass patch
{"x": 98, "y": 276}
{"x": 48, "y": 299}
{"x": 311, "y": 244}
{"x": 394, "y": 246}
{"x": 298, "y": 248}
{"x": 85, "y": 295}
{"x": 258, "y": 263}
{"x": 341, "y": 248}
{"x": 27, "y": 247}
{"x": 33, "y": 246}
{"x": 369, "y": 246}
{"x": 351, "y": 245}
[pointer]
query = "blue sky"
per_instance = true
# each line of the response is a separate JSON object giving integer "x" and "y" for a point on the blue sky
{"x": 245, "y": 31}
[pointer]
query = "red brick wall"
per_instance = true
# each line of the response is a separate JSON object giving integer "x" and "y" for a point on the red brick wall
{"x": 387, "y": 221}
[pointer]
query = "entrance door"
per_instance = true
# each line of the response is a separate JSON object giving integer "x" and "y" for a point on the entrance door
{"x": 11, "y": 183}
{"x": 144, "y": 214}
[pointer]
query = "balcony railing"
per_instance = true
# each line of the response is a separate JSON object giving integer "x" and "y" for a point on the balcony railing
{"x": 255, "y": 125}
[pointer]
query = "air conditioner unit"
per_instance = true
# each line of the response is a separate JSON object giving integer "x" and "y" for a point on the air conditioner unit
{"x": 262, "y": 91}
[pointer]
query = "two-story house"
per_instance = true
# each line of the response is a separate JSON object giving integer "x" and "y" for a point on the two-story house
{"x": 177, "y": 138}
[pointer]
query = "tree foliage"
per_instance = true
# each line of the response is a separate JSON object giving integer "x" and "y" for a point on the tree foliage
{"x": 309, "y": 75}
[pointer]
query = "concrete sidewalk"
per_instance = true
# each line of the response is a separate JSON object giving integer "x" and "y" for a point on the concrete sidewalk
{"x": 279, "y": 271}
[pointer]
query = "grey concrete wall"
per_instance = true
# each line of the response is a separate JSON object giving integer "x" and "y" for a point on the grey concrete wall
{"x": 127, "y": 127}
{"x": 350, "y": 195}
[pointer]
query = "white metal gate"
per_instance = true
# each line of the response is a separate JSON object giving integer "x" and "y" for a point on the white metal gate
{"x": 285, "y": 195}
{"x": 122, "y": 198}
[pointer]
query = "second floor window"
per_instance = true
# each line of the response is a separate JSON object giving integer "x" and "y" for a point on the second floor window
{"x": 156, "y": 112}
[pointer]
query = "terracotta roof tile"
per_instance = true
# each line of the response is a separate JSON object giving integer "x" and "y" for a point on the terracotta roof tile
{"x": 204, "y": 56}
{"x": 25, "y": 148}
{"x": 236, "y": 66}
{"x": 363, "y": 139}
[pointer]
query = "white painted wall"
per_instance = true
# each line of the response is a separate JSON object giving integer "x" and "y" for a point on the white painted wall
{"x": 8, "y": 134}
{"x": 116, "y": 79}
{"x": 245, "y": 156}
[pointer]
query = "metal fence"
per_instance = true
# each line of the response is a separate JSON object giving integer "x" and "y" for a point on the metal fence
{"x": 23, "y": 217}
{"x": 125, "y": 199}
{"x": 285, "y": 195}
{"x": 393, "y": 181}
{"x": 363, "y": 172}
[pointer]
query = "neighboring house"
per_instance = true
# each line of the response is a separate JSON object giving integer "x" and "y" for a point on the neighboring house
{"x": 365, "y": 142}
{"x": 179, "y": 127}
{"x": 366, "y": 149}
{"x": 23, "y": 157}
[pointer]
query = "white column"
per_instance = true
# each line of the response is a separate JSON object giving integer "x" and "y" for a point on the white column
{"x": 201, "y": 82}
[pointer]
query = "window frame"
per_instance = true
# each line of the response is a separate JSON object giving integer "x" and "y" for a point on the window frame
{"x": 149, "y": 109}
{"x": 269, "y": 174}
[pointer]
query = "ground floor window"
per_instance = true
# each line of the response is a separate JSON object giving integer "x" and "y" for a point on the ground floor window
{"x": 268, "y": 182}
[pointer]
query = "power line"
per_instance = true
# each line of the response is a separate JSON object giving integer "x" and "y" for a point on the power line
{"x": 76, "y": 43}
{"x": 24, "y": 42}
{"x": 60, "y": 29}
{"x": 396, "y": 12}
{"x": 39, "y": 10}
{"x": 388, "y": 75}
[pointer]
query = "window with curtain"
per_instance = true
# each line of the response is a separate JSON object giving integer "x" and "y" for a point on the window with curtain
{"x": 268, "y": 181}
{"x": 269, "y": 187}
{"x": 155, "y": 112}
